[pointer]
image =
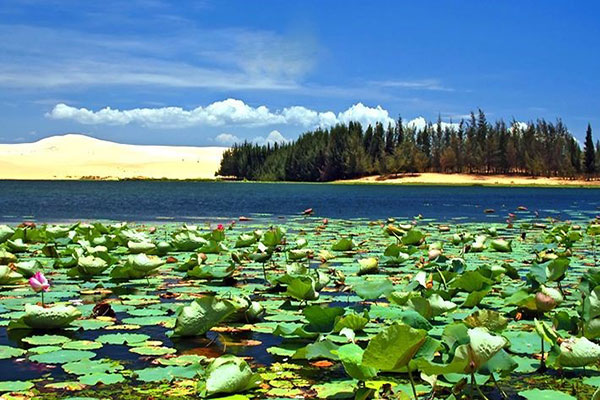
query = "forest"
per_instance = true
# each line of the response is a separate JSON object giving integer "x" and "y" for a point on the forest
{"x": 475, "y": 146}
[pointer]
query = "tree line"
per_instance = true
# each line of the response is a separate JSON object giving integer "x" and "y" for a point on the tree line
{"x": 474, "y": 146}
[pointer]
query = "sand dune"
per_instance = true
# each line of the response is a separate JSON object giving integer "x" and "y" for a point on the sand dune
{"x": 431, "y": 178}
{"x": 76, "y": 156}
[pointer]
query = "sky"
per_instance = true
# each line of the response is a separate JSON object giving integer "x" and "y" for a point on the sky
{"x": 209, "y": 73}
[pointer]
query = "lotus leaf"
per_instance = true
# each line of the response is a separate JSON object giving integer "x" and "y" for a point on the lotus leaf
{"x": 201, "y": 315}
{"x": 37, "y": 317}
{"x": 229, "y": 374}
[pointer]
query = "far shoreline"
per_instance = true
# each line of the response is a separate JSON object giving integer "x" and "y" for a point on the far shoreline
{"x": 416, "y": 179}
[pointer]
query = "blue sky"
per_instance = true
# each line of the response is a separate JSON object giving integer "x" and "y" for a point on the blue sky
{"x": 207, "y": 73}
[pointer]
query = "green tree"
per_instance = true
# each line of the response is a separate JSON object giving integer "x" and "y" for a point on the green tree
{"x": 589, "y": 152}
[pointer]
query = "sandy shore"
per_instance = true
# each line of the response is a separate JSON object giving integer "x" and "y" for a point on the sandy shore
{"x": 78, "y": 156}
{"x": 431, "y": 178}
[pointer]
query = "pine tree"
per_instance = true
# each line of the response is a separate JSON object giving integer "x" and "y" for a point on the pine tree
{"x": 589, "y": 152}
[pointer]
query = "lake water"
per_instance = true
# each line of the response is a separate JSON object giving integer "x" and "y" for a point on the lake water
{"x": 59, "y": 201}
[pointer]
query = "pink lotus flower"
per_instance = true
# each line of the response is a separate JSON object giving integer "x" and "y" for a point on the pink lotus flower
{"x": 39, "y": 283}
{"x": 220, "y": 227}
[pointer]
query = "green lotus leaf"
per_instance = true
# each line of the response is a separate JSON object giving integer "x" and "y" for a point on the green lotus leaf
{"x": 6, "y": 233}
{"x": 10, "y": 352}
{"x": 394, "y": 347}
{"x": 211, "y": 271}
{"x": 490, "y": 319}
{"x": 344, "y": 244}
{"x": 141, "y": 247}
{"x": 8, "y": 276}
{"x": 299, "y": 254}
{"x": 55, "y": 317}
{"x": 368, "y": 266}
{"x": 351, "y": 356}
{"x": 46, "y": 340}
{"x": 212, "y": 247}
{"x": 352, "y": 321}
{"x": 302, "y": 288}
{"x": 28, "y": 268}
{"x": 373, "y": 289}
{"x": 322, "y": 319}
{"x": 273, "y": 237}
{"x": 317, "y": 350}
{"x": 469, "y": 357}
{"x": 501, "y": 245}
{"x": 188, "y": 241}
{"x": 470, "y": 281}
{"x": 15, "y": 386}
{"x": 201, "y": 315}
{"x": 432, "y": 307}
{"x": 82, "y": 345}
{"x": 578, "y": 352}
{"x": 152, "y": 350}
{"x": 291, "y": 330}
{"x": 229, "y": 374}
{"x": 144, "y": 263}
{"x": 101, "y": 377}
{"x": 137, "y": 266}
{"x": 158, "y": 374}
{"x": 484, "y": 345}
{"x": 546, "y": 394}
{"x": 17, "y": 245}
{"x": 89, "y": 266}
{"x": 245, "y": 240}
{"x": 62, "y": 356}
{"x": 122, "y": 338}
{"x": 412, "y": 237}
{"x": 7, "y": 257}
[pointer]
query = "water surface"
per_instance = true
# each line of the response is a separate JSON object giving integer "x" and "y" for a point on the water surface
{"x": 56, "y": 201}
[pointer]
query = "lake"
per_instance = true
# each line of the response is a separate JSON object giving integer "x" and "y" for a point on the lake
{"x": 60, "y": 201}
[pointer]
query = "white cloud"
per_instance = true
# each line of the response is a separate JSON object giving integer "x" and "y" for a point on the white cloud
{"x": 420, "y": 123}
{"x": 365, "y": 115}
{"x": 519, "y": 125}
{"x": 227, "y": 112}
{"x": 272, "y": 138}
{"x": 227, "y": 139}
{"x": 417, "y": 123}
{"x": 241, "y": 59}
{"x": 423, "y": 84}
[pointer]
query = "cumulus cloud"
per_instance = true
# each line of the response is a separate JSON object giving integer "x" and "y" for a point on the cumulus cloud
{"x": 420, "y": 123}
{"x": 229, "y": 112}
{"x": 519, "y": 125}
{"x": 227, "y": 139}
{"x": 273, "y": 137}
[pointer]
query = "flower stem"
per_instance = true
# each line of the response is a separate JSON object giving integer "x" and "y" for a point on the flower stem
{"x": 412, "y": 384}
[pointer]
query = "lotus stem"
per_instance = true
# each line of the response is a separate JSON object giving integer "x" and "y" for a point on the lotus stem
{"x": 476, "y": 386}
{"x": 561, "y": 289}
{"x": 264, "y": 272}
{"x": 42, "y": 292}
{"x": 441, "y": 277}
{"x": 412, "y": 384}
{"x": 542, "y": 359}
{"x": 594, "y": 248}
{"x": 502, "y": 392}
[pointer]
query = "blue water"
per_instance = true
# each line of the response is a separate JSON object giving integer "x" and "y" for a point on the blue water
{"x": 59, "y": 201}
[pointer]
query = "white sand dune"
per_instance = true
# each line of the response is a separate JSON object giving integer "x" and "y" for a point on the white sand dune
{"x": 76, "y": 156}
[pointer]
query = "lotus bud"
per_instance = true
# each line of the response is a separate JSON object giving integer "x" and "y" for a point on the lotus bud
{"x": 434, "y": 253}
{"x": 220, "y": 227}
{"x": 543, "y": 302}
{"x": 202, "y": 258}
{"x": 325, "y": 221}
{"x": 39, "y": 283}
